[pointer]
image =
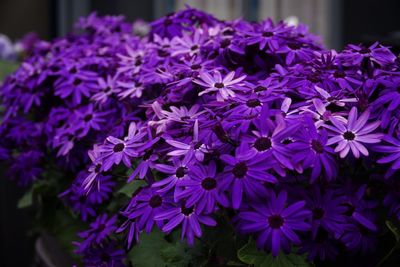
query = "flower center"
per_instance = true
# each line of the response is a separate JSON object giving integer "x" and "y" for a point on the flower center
{"x": 209, "y": 183}
{"x": 225, "y": 43}
{"x": 294, "y": 46}
{"x": 350, "y": 209}
{"x": 275, "y": 221}
{"x": 339, "y": 74}
{"x": 195, "y": 47}
{"x": 187, "y": 211}
{"x": 318, "y": 213}
{"x": 180, "y": 172}
{"x": 317, "y": 146}
{"x": 119, "y": 147}
{"x": 155, "y": 201}
{"x": 252, "y": 103}
{"x": 88, "y": 117}
{"x": 267, "y": 34}
{"x": 97, "y": 168}
{"x": 195, "y": 66}
{"x": 260, "y": 88}
{"x": 240, "y": 170}
{"x": 219, "y": 85}
{"x": 349, "y": 135}
{"x": 77, "y": 82}
{"x": 262, "y": 143}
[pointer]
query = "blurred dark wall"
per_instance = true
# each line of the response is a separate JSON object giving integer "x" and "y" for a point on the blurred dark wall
{"x": 18, "y": 17}
{"x": 365, "y": 21}
{"x": 131, "y": 9}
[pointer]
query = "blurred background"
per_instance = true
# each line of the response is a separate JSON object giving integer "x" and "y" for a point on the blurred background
{"x": 338, "y": 22}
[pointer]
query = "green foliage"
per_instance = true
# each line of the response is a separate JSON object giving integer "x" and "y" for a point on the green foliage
{"x": 7, "y": 67}
{"x": 130, "y": 188}
{"x": 251, "y": 255}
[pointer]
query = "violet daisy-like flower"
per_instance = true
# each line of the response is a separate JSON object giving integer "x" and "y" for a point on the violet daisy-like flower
{"x": 245, "y": 174}
{"x": 102, "y": 227}
{"x": 224, "y": 87}
{"x": 116, "y": 150}
{"x": 144, "y": 206}
{"x": 393, "y": 148}
{"x": 189, "y": 217}
{"x": 202, "y": 188}
{"x": 176, "y": 174}
{"x": 311, "y": 151}
{"x": 273, "y": 223}
{"x": 105, "y": 254}
{"x": 353, "y": 134}
{"x": 327, "y": 211}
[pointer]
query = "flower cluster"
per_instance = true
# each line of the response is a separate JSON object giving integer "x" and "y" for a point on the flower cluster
{"x": 295, "y": 142}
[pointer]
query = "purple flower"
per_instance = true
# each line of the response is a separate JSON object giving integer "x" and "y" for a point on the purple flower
{"x": 353, "y": 134}
{"x": 189, "y": 217}
{"x": 311, "y": 151}
{"x": 245, "y": 174}
{"x": 202, "y": 188}
{"x": 394, "y": 150}
{"x": 274, "y": 223}
{"x": 101, "y": 228}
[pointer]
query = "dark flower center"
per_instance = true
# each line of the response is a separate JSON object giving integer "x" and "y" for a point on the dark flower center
{"x": 187, "y": 211}
{"x": 161, "y": 53}
{"x": 167, "y": 22}
{"x": 195, "y": 66}
{"x": 209, "y": 183}
{"x": 184, "y": 118}
{"x": 219, "y": 85}
{"x": 314, "y": 78}
{"x": 349, "y": 136}
{"x": 119, "y": 147}
{"x": 260, "y": 88}
{"x": 318, "y": 213}
{"x": 240, "y": 170}
{"x": 350, "y": 209}
{"x": 263, "y": 143}
{"x": 180, "y": 172}
{"x": 225, "y": 43}
{"x": 275, "y": 221}
{"x": 195, "y": 47}
{"x": 339, "y": 74}
{"x": 155, "y": 201}
{"x": 252, "y": 103}
{"x": 317, "y": 146}
{"x": 267, "y": 34}
{"x": 97, "y": 168}
{"x": 73, "y": 70}
{"x": 138, "y": 62}
{"x": 294, "y": 46}
{"x": 77, "y": 82}
{"x": 88, "y": 117}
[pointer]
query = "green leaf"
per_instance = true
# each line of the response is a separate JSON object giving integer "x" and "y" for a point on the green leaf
{"x": 394, "y": 229}
{"x": 179, "y": 253}
{"x": 251, "y": 255}
{"x": 6, "y": 67}
{"x": 131, "y": 187}
{"x": 148, "y": 252}
{"x": 26, "y": 200}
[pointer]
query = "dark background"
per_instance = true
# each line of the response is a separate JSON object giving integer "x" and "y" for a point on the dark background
{"x": 359, "y": 21}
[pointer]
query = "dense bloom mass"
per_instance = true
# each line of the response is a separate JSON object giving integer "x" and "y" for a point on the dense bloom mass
{"x": 200, "y": 123}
